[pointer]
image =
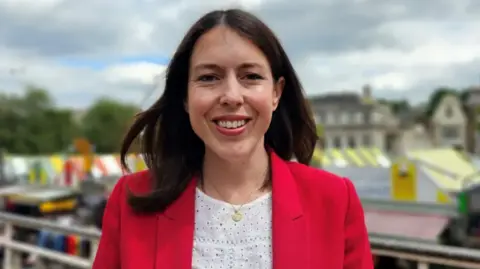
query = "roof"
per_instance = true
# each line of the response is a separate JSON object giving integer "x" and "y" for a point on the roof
{"x": 358, "y": 157}
{"x": 336, "y": 98}
{"x": 444, "y": 167}
{"x": 474, "y": 89}
{"x": 437, "y": 98}
{"x": 449, "y": 160}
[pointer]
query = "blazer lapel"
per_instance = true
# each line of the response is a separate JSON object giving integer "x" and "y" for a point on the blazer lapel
{"x": 175, "y": 227}
{"x": 175, "y": 231}
{"x": 289, "y": 231}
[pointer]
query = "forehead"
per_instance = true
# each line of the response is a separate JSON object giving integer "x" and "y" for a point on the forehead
{"x": 224, "y": 47}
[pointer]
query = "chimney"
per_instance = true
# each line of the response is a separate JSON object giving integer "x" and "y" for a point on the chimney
{"x": 367, "y": 92}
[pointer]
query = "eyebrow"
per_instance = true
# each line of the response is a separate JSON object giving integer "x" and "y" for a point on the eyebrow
{"x": 251, "y": 65}
{"x": 212, "y": 66}
{"x": 206, "y": 66}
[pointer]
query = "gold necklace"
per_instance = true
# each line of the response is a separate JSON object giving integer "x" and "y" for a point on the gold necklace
{"x": 237, "y": 214}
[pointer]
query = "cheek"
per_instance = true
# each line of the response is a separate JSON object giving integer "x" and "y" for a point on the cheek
{"x": 198, "y": 106}
{"x": 263, "y": 105}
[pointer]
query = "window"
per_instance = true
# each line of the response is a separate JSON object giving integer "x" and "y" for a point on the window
{"x": 329, "y": 118}
{"x": 351, "y": 142}
{"x": 337, "y": 118}
{"x": 367, "y": 117}
{"x": 345, "y": 118}
{"x": 448, "y": 112}
{"x": 322, "y": 117}
{"x": 450, "y": 132}
{"x": 337, "y": 142}
{"x": 376, "y": 117}
{"x": 366, "y": 141}
{"x": 359, "y": 117}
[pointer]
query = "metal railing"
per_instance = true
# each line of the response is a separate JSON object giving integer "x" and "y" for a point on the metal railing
{"x": 447, "y": 210}
{"x": 423, "y": 254}
{"x": 13, "y": 248}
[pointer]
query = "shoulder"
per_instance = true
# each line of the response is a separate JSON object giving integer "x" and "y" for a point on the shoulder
{"x": 318, "y": 179}
{"x": 138, "y": 183}
{"x": 315, "y": 184}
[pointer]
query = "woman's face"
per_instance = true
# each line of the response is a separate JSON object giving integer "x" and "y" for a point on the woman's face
{"x": 231, "y": 93}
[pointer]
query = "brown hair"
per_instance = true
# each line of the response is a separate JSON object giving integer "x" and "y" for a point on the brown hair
{"x": 174, "y": 153}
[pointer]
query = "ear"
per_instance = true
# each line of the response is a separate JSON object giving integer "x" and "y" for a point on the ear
{"x": 277, "y": 92}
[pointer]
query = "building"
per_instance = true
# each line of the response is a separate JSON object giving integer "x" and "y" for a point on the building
{"x": 472, "y": 108}
{"x": 447, "y": 125}
{"x": 352, "y": 120}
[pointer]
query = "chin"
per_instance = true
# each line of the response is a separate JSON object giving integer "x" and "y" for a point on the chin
{"x": 234, "y": 151}
{"x": 231, "y": 154}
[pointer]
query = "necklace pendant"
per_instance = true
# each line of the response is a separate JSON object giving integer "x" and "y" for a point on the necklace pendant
{"x": 237, "y": 216}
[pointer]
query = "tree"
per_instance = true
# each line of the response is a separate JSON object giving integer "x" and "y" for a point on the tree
{"x": 32, "y": 125}
{"x": 436, "y": 97}
{"x": 105, "y": 123}
{"x": 397, "y": 106}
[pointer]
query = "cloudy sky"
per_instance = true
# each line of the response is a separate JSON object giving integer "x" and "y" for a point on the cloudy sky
{"x": 81, "y": 50}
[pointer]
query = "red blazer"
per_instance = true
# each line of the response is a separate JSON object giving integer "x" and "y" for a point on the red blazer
{"x": 317, "y": 221}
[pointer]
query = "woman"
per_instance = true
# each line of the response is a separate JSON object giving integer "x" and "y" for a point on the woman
{"x": 220, "y": 191}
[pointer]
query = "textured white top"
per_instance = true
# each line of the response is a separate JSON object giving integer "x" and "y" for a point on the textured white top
{"x": 221, "y": 243}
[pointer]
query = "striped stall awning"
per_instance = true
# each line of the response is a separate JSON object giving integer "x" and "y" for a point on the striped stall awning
{"x": 358, "y": 157}
{"x": 109, "y": 165}
{"x": 53, "y": 167}
{"x": 449, "y": 160}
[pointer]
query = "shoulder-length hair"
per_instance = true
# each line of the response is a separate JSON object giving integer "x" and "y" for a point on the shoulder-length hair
{"x": 174, "y": 153}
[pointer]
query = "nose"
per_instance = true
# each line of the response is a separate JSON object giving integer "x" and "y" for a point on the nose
{"x": 232, "y": 93}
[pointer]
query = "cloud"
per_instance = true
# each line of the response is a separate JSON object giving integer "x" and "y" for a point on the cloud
{"x": 81, "y": 50}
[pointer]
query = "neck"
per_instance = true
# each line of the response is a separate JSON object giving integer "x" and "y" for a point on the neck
{"x": 235, "y": 178}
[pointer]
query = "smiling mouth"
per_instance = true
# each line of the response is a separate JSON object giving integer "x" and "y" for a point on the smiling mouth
{"x": 231, "y": 124}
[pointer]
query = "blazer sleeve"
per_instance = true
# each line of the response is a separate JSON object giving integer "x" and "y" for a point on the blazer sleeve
{"x": 108, "y": 252}
{"x": 357, "y": 246}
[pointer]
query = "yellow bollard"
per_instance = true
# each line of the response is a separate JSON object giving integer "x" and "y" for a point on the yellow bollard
{"x": 403, "y": 175}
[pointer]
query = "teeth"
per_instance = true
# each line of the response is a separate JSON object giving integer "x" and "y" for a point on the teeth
{"x": 231, "y": 124}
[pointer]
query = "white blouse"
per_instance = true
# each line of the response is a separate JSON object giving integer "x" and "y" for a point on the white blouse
{"x": 221, "y": 243}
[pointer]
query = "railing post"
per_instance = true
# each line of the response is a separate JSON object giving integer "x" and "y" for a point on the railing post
{"x": 11, "y": 259}
{"x": 93, "y": 249}
{"x": 8, "y": 252}
{"x": 423, "y": 265}
{"x": 16, "y": 260}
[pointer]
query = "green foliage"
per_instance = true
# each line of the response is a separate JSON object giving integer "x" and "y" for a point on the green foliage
{"x": 400, "y": 106}
{"x": 319, "y": 128}
{"x": 32, "y": 124}
{"x": 436, "y": 97}
{"x": 397, "y": 106}
{"x": 105, "y": 123}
